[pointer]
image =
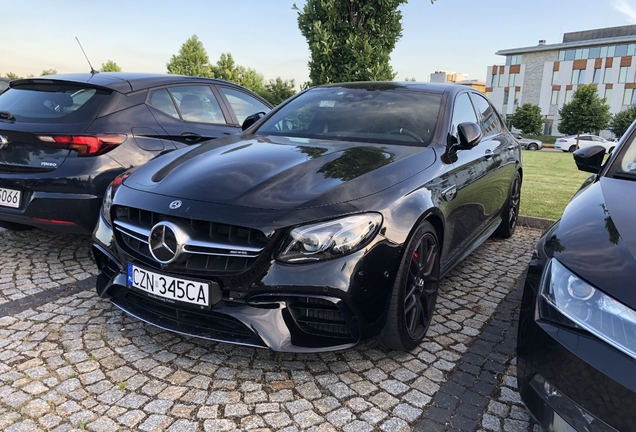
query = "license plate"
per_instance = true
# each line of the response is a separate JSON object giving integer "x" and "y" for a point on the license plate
{"x": 10, "y": 198}
{"x": 169, "y": 288}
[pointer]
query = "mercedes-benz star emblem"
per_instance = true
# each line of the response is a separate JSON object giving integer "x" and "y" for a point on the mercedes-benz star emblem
{"x": 4, "y": 142}
{"x": 164, "y": 243}
{"x": 175, "y": 204}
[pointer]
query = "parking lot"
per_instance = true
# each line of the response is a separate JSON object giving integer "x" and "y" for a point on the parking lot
{"x": 69, "y": 360}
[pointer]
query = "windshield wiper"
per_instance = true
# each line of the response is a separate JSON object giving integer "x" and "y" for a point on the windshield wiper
{"x": 6, "y": 115}
{"x": 624, "y": 176}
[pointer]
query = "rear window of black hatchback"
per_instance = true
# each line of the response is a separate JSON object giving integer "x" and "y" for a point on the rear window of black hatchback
{"x": 53, "y": 102}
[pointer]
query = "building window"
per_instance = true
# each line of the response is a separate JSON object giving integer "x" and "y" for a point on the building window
{"x": 578, "y": 76}
{"x": 622, "y": 76}
{"x": 608, "y": 75}
{"x": 620, "y": 51}
{"x": 608, "y": 94}
{"x": 555, "y": 77}
{"x": 506, "y": 96}
{"x": 489, "y": 95}
{"x": 513, "y": 80}
{"x": 631, "y": 49}
{"x": 495, "y": 81}
{"x": 611, "y": 50}
{"x": 629, "y": 98}
{"x": 513, "y": 60}
{"x": 595, "y": 53}
{"x": 568, "y": 95}
{"x": 597, "y": 76}
{"x": 555, "y": 97}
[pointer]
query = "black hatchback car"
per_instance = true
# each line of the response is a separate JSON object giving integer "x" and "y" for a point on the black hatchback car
{"x": 64, "y": 138}
{"x": 329, "y": 222}
{"x": 577, "y": 326}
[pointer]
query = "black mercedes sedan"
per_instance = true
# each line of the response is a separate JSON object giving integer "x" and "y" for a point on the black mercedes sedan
{"x": 328, "y": 222}
{"x": 64, "y": 138}
{"x": 577, "y": 327}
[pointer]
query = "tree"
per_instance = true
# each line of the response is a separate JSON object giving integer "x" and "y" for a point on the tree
{"x": 110, "y": 66}
{"x": 528, "y": 118}
{"x": 622, "y": 120}
{"x": 48, "y": 72}
{"x": 350, "y": 40}
{"x": 192, "y": 60}
{"x": 278, "y": 90}
{"x": 586, "y": 112}
{"x": 13, "y": 76}
{"x": 227, "y": 69}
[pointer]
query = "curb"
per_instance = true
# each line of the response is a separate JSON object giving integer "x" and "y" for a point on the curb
{"x": 535, "y": 222}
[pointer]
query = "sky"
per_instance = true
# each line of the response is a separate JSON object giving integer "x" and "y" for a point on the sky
{"x": 142, "y": 35}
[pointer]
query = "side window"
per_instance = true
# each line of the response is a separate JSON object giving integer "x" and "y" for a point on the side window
{"x": 598, "y": 139}
{"x": 161, "y": 100}
{"x": 243, "y": 104}
{"x": 490, "y": 122}
{"x": 586, "y": 138}
{"x": 462, "y": 112}
{"x": 197, "y": 104}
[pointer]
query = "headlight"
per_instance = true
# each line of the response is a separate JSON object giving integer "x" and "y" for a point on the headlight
{"x": 107, "y": 202}
{"x": 587, "y": 307}
{"x": 330, "y": 239}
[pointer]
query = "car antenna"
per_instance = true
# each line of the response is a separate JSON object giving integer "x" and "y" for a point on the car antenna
{"x": 93, "y": 71}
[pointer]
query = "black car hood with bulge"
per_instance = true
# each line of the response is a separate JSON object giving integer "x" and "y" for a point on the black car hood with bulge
{"x": 596, "y": 237}
{"x": 279, "y": 173}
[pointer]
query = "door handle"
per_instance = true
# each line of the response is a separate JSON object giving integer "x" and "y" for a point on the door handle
{"x": 190, "y": 137}
{"x": 449, "y": 193}
{"x": 488, "y": 154}
{"x": 511, "y": 147}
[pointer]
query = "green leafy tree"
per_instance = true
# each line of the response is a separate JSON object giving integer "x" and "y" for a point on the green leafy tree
{"x": 350, "y": 40}
{"x": 277, "y": 90}
{"x": 622, "y": 120}
{"x": 586, "y": 112}
{"x": 13, "y": 76}
{"x": 192, "y": 60}
{"x": 227, "y": 69}
{"x": 110, "y": 66}
{"x": 48, "y": 72}
{"x": 528, "y": 118}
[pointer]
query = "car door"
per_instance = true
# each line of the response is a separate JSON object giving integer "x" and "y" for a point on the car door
{"x": 465, "y": 215}
{"x": 191, "y": 113}
{"x": 240, "y": 104}
{"x": 502, "y": 162}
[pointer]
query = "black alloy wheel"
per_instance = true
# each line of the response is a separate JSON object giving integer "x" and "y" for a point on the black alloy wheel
{"x": 510, "y": 214}
{"x": 572, "y": 148}
{"x": 415, "y": 291}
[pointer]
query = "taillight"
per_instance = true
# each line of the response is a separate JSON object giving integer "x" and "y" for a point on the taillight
{"x": 86, "y": 145}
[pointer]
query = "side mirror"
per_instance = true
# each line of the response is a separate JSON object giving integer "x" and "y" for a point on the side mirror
{"x": 469, "y": 135}
{"x": 250, "y": 120}
{"x": 590, "y": 159}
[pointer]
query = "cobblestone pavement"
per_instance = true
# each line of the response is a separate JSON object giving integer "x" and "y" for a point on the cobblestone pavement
{"x": 71, "y": 361}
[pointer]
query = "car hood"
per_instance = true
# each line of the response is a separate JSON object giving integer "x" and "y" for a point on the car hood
{"x": 596, "y": 237}
{"x": 279, "y": 173}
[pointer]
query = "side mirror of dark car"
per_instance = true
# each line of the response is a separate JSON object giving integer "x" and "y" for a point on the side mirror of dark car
{"x": 250, "y": 120}
{"x": 469, "y": 135}
{"x": 590, "y": 159}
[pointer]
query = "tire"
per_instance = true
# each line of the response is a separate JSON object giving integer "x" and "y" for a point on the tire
{"x": 572, "y": 148}
{"x": 414, "y": 292}
{"x": 510, "y": 214}
{"x": 533, "y": 146}
{"x": 12, "y": 226}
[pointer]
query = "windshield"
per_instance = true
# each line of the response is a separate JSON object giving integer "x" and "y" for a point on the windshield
{"x": 53, "y": 103}
{"x": 395, "y": 115}
{"x": 624, "y": 166}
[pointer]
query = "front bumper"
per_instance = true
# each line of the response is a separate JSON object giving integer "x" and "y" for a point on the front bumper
{"x": 322, "y": 306}
{"x": 569, "y": 379}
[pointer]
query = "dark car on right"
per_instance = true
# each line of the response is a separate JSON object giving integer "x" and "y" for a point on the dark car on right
{"x": 577, "y": 325}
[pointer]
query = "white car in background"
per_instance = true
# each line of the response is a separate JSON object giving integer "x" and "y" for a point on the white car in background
{"x": 568, "y": 143}
{"x": 528, "y": 143}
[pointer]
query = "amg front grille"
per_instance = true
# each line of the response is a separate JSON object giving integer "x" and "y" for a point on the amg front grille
{"x": 211, "y": 247}
{"x": 319, "y": 317}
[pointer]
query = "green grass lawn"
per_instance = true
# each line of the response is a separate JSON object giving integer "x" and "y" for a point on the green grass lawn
{"x": 550, "y": 179}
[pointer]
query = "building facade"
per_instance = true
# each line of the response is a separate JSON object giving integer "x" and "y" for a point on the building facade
{"x": 548, "y": 74}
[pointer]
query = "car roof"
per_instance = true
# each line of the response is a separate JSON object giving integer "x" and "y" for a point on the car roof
{"x": 409, "y": 85}
{"x": 125, "y": 82}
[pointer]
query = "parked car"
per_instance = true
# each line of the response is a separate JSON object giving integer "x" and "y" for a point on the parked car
{"x": 64, "y": 138}
{"x": 328, "y": 222}
{"x": 4, "y": 84}
{"x": 528, "y": 143}
{"x": 568, "y": 143}
{"x": 577, "y": 325}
